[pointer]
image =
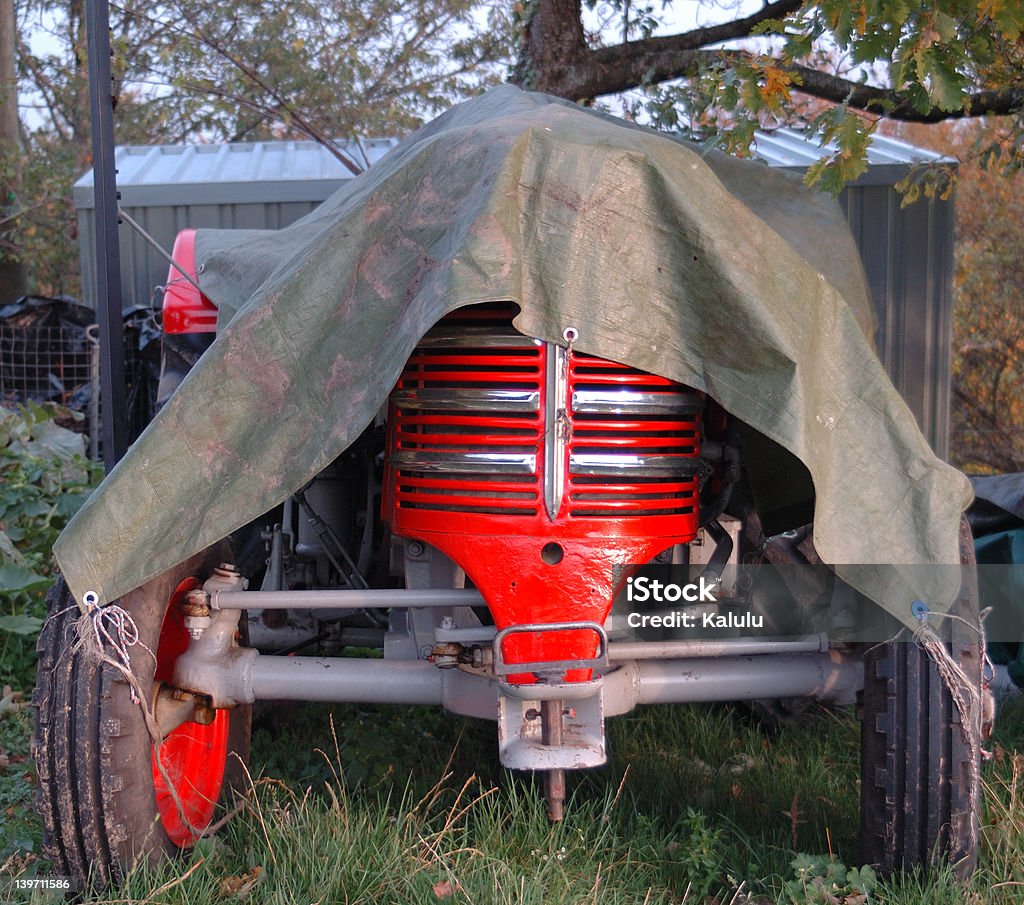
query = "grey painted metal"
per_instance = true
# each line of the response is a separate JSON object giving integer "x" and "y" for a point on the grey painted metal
{"x": 794, "y": 149}
{"x": 243, "y": 185}
{"x": 825, "y": 677}
{"x": 908, "y": 260}
{"x": 346, "y": 679}
{"x": 214, "y": 664}
{"x": 619, "y": 651}
{"x": 502, "y": 668}
{"x": 907, "y": 252}
{"x": 229, "y": 680}
{"x": 159, "y": 249}
{"x": 521, "y": 739}
{"x": 368, "y": 599}
{"x": 226, "y": 173}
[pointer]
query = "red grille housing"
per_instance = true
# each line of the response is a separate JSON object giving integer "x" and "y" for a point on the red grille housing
{"x": 541, "y": 471}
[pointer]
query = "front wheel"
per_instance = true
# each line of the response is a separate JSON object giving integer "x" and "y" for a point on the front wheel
{"x": 920, "y": 763}
{"x": 104, "y": 801}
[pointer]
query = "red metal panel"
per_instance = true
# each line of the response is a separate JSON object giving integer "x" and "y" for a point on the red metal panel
{"x": 185, "y": 309}
{"x": 494, "y": 523}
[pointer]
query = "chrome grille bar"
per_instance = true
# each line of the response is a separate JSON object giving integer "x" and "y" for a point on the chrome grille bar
{"x": 635, "y": 402}
{"x": 465, "y": 462}
{"x": 630, "y": 466}
{"x": 491, "y": 337}
{"x": 467, "y": 400}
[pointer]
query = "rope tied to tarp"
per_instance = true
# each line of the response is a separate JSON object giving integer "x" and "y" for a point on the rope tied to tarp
{"x": 108, "y": 635}
{"x": 967, "y": 693}
{"x": 114, "y": 630}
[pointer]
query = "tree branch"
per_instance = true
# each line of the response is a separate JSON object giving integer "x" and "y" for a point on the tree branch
{"x": 699, "y": 37}
{"x": 282, "y": 102}
{"x": 894, "y": 105}
{"x": 554, "y": 57}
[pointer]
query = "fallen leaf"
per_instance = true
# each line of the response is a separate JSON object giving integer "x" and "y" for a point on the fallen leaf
{"x": 444, "y": 889}
{"x": 240, "y": 887}
{"x": 11, "y": 701}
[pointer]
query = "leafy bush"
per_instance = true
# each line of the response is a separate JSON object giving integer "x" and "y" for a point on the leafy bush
{"x": 44, "y": 479}
{"x": 822, "y": 879}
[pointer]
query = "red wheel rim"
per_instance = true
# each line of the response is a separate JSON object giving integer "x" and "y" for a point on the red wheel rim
{"x": 194, "y": 756}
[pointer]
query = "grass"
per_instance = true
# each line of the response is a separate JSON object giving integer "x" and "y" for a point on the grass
{"x": 407, "y": 805}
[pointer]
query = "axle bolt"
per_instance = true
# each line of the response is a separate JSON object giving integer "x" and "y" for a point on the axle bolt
{"x": 196, "y": 603}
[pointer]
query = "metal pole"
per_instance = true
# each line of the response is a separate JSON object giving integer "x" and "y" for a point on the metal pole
{"x": 357, "y": 599}
{"x": 749, "y": 678}
{"x": 109, "y": 306}
{"x": 342, "y": 679}
{"x": 619, "y": 651}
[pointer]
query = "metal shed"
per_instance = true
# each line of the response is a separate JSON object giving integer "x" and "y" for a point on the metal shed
{"x": 907, "y": 252}
{"x": 243, "y": 185}
{"x": 908, "y": 259}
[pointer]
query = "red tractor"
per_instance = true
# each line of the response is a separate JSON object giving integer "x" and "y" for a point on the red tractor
{"x": 505, "y": 531}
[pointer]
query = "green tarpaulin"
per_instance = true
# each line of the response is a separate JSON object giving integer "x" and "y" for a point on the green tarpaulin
{"x": 721, "y": 274}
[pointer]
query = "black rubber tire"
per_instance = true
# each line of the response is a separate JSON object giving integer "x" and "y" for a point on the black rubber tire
{"x": 92, "y": 750}
{"x": 919, "y": 794}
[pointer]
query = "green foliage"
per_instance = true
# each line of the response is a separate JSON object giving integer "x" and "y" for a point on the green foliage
{"x": 339, "y": 69}
{"x": 839, "y": 67}
{"x": 850, "y": 134}
{"x": 44, "y": 229}
{"x": 988, "y": 356}
{"x": 822, "y": 879}
{"x": 44, "y": 479}
{"x": 701, "y": 851}
{"x": 20, "y": 832}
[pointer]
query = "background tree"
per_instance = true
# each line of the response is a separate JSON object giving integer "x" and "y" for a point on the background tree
{"x": 987, "y": 430}
{"x": 12, "y": 271}
{"x": 195, "y": 71}
{"x": 922, "y": 61}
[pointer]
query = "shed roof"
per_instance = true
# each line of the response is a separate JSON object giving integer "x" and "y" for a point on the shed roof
{"x": 792, "y": 148}
{"x": 152, "y": 175}
{"x": 225, "y": 173}
{"x": 888, "y": 158}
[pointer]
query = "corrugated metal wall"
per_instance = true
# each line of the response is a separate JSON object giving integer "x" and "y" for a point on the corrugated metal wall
{"x": 244, "y": 185}
{"x": 908, "y": 258}
{"x": 142, "y": 268}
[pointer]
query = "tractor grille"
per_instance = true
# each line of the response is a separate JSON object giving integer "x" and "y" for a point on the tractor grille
{"x": 467, "y": 421}
{"x": 634, "y": 442}
{"x": 485, "y": 420}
